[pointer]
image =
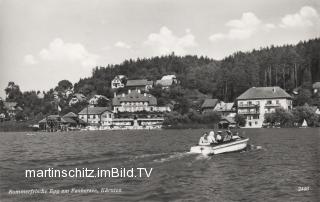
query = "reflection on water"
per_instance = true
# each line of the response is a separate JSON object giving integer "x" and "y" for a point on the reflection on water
{"x": 275, "y": 164}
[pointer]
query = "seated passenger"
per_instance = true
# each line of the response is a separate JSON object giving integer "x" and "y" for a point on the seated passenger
{"x": 204, "y": 140}
{"x": 219, "y": 137}
{"x": 211, "y": 139}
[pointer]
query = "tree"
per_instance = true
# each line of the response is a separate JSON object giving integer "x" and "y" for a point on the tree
{"x": 64, "y": 85}
{"x": 102, "y": 102}
{"x": 303, "y": 97}
{"x": 13, "y": 92}
{"x": 240, "y": 120}
{"x": 280, "y": 117}
{"x": 305, "y": 113}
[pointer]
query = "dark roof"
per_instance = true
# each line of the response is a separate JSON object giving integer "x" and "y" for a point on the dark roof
{"x": 139, "y": 82}
{"x": 71, "y": 115}
{"x": 228, "y": 119}
{"x": 209, "y": 103}
{"x": 316, "y": 85}
{"x": 68, "y": 120}
{"x": 93, "y": 110}
{"x": 264, "y": 93}
{"x": 134, "y": 96}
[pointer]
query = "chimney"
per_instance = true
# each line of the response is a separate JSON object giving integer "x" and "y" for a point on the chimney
{"x": 274, "y": 89}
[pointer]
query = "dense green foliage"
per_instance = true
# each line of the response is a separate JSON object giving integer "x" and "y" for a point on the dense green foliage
{"x": 285, "y": 118}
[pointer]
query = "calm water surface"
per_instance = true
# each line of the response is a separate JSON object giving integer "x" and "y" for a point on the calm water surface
{"x": 276, "y": 164}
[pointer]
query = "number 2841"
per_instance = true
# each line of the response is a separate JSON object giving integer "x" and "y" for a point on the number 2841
{"x": 304, "y": 188}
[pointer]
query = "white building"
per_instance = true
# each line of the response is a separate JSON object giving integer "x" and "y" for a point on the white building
{"x": 135, "y": 101}
{"x": 118, "y": 82}
{"x": 257, "y": 101}
{"x": 97, "y": 116}
{"x": 166, "y": 81}
{"x": 95, "y": 99}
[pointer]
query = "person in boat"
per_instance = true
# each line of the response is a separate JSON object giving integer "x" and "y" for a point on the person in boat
{"x": 204, "y": 140}
{"x": 228, "y": 136}
{"x": 219, "y": 137}
{"x": 211, "y": 139}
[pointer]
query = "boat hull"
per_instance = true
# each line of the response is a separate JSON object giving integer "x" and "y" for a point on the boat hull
{"x": 233, "y": 146}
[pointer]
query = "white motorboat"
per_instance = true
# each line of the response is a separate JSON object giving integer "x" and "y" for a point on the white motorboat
{"x": 224, "y": 147}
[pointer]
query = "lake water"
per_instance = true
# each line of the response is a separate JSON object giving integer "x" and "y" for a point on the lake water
{"x": 279, "y": 165}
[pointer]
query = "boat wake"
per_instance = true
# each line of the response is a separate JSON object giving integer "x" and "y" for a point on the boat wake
{"x": 174, "y": 156}
{"x": 252, "y": 147}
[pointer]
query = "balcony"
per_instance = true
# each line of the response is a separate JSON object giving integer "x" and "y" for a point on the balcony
{"x": 272, "y": 105}
{"x": 248, "y": 112}
{"x": 248, "y": 105}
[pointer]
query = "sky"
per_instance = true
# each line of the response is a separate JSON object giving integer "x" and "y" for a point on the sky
{"x": 45, "y": 41}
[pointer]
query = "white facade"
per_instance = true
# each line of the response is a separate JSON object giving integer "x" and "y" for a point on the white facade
{"x": 117, "y": 82}
{"x": 139, "y": 107}
{"x": 255, "y": 109}
{"x": 104, "y": 119}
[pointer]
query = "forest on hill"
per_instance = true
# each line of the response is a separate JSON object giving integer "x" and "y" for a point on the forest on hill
{"x": 292, "y": 67}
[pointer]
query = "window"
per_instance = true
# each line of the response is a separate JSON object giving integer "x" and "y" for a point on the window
{"x": 240, "y": 103}
{"x": 269, "y": 102}
{"x": 277, "y": 101}
{"x": 250, "y": 124}
{"x": 258, "y": 102}
{"x": 256, "y": 122}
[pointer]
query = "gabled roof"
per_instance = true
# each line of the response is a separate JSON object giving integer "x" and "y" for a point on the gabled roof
{"x": 228, "y": 119}
{"x": 67, "y": 120}
{"x": 222, "y": 106}
{"x": 119, "y": 77}
{"x": 80, "y": 96}
{"x": 264, "y": 93}
{"x": 134, "y": 96}
{"x": 70, "y": 115}
{"x": 93, "y": 110}
{"x": 169, "y": 77}
{"x": 138, "y": 82}
{"x": 209, "y": 103}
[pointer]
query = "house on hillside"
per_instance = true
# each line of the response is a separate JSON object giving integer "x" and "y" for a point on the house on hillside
{"x": 77, "y": 97}
{"x": 226, "y": 109}
{"x": 40, "y": 95}
{"x": 255, "y": 102}
{"x": 95, "y": 99}
{"x": 97, "y": 116}
{"x": 118, "y": 82}
{"x": 209, "y": 105}
{"x": 139, "y": 84}
{"x": 12, "y": 108}
{"x": 166, "y": 81}
{"x": 137, "y": 110}
{"x": 135, "y": 101}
